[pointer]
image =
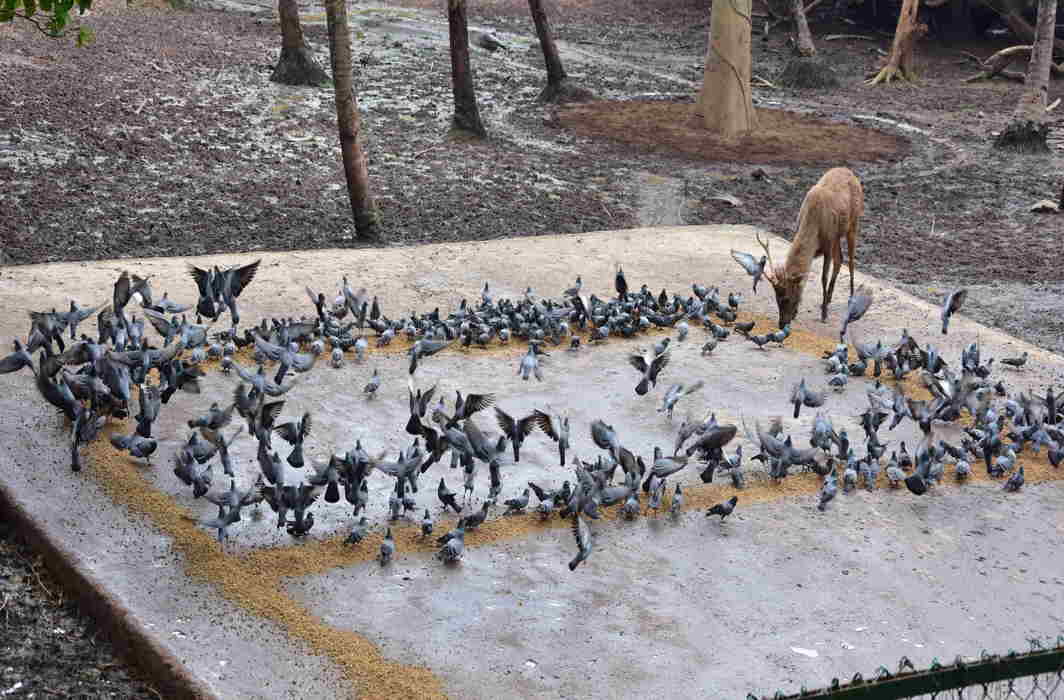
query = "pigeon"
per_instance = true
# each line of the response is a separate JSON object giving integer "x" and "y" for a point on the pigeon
{"x": 530, "y": 365}
{"x": 294, "y": 433}
{"x": 754, "y": 267}
{"x": 426, "y": 524}
{"x": 855, "y": 310}
{"x": 17, "y": 360}
{"x": 453, "y": 548}
{"x": 358, "y": 532}
{"x": 801, "y": 396}
{"x": 951, "y": 306}
{"x": 517, "y": 505}
{"x": 286, "y": 357}
{"x": 370, "y": 390}
{"x": 425, "y": 348}
{"x": 827, "y": 492}
{"x": 582, "y": 535}
{"x": 709, "y": 346}
{"x": 675, "y": 393}
{"x": 557, "y": 429}
{"x": 723, "y": 509}
{"x": 515, "y": 430}
{"x": 677, "y": 502}
{"x": 963, "y": 469}
{"x": 219, "y": 289}
{"x": 447, "y": 496}
{"x": 140, "y": 447}
{"x": 1015, "y": 481}
{"x": 621, "y": 284}
{"x": 1016, "y": 362}
{"x": 387, "y": 548}
{"x": 648, "y": 370}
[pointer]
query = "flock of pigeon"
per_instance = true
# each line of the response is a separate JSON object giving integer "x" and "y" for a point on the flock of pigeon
{"x": 91, "y": 379}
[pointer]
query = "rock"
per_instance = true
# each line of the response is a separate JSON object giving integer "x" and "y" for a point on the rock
{"x": 1045, "y": 206}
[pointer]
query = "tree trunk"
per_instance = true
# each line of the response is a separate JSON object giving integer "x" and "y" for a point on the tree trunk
{"x": 466, "y": 114}
{"x": 1027, "y": 131}
{"x": 296, "y": 65}
{"x": 725, "y": 104}
{"x": 805, "y": 37}
{"x": 900, "y": 62}
{"x": 364, "y": 211}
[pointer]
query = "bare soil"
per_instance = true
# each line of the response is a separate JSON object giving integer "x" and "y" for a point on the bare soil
{"x": 781, "y": 138}
{"x": 165, "y": 137}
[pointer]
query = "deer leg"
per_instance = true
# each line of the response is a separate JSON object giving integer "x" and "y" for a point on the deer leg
{"x": 851, "y": 243}
{"x": 829, "y": 289}
{"x": 824, "y": 287}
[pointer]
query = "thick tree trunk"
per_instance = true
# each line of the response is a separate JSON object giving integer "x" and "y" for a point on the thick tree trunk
{"x": 725, "y": 104}
{"x": 296, "y": 65}
{"x": 466, "y": 114}
{"x": 363, "y": 209}
{"x": 805, "y": 37}
{"x": 1027, "y": 131}
{"x": 900, "y": 62}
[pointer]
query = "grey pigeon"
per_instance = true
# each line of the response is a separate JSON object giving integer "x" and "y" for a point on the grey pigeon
{"x": 1015, "y": 481}
{"x": 1016, "y": 362}
{"x": 426, "y": 524}
{"x": 138, "y": 446}
{"x": 827, "y": 492}
{"x": 17, "y": 360}
{"x": 453, "y": 549}
{"x": 358, "y": 532}
{"x": 387, "y": 548}
{"x": 723, "y": 509}
{"x": 584, "y": 542}
{"x": 677, "y": 502}
{"x": 370, "y": 390}
{"x": 648, "y": 369}
{"x": 517, "y": 505}
{"x": 556, "y": 428}
{"x": 754, "y": 267}
{"x": 951, "y": 306}
{"x": 675, "y": 393}
{"x": 858, "y": 305}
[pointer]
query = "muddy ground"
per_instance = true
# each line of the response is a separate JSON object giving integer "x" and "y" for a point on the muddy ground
{"x": 166, "y": 138}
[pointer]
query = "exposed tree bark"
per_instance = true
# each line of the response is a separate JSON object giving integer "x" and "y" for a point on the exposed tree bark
{"x": 296, "y": 65}
{"x": 805, "y": 37}
{"x": 899, "y": 64}
{"x": 1027, "y": 131}
{"x": 466, "y": 114}
{"x": 363, "y": 209}
{"x": 559, "y": 88}
{"x": 725, "y": 104}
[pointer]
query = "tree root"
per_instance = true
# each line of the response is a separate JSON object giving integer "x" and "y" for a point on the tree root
{"x": 889, "y": 73}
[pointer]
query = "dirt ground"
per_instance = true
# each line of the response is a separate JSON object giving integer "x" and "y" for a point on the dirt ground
{"x": 166, "y": 138}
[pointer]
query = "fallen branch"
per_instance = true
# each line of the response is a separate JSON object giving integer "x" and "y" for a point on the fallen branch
{"x": 996, "y": 64}
{"x": 1050, "y": 108}
{"x": 764, "y": 83}
{"x": 836, "y": 37}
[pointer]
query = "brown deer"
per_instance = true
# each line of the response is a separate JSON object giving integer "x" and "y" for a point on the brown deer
{"x": 831, "y": 210}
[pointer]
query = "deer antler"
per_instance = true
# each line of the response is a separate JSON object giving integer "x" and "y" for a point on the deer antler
{"x": 769, "y": 267}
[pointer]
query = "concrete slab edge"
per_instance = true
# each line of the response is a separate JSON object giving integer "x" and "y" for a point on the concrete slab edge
{"x": 167, "y": 674}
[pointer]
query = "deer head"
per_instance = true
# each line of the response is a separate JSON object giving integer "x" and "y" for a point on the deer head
{"x": 788, "y": 288}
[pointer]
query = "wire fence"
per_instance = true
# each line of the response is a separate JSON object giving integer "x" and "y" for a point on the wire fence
{"x": 1037, "y": 674}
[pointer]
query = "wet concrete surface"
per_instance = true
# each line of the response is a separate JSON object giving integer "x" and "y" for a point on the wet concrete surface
{"x": 644, "y": 576}
{"x": 675, "y": 609}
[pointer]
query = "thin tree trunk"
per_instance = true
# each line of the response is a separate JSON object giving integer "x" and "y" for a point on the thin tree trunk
{"x": 555, "y": 71}
{"x": 900, "y": 62}
{"x": 466, "y": 114}
{"x": 296, "y": 65}
{"x": 725, "y": 104}
{"x": 805, "y": 37}
{"x": 363, "y": 209}
{"x": 1028, "y": 130}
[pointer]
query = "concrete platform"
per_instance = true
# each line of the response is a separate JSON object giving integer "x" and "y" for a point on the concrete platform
{"x": 664, "y": 607}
